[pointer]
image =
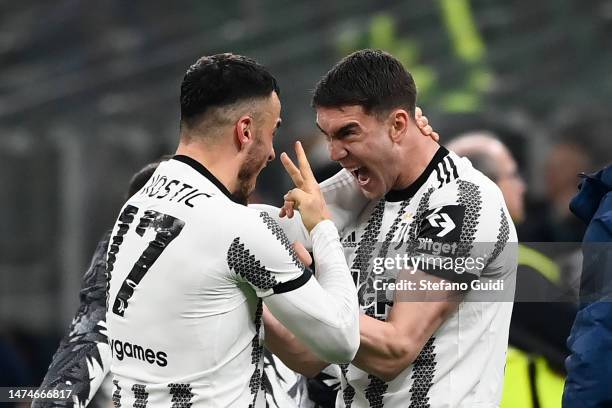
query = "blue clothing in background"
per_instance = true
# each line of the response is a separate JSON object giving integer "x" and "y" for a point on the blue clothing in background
{"x": 589, "y": 366}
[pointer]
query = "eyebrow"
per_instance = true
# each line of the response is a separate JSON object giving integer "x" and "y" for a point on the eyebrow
{"x": 341, "y": 130}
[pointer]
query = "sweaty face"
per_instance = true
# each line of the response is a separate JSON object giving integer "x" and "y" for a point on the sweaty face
{"x": 261, "y": 149}
{"x": 361, "y": 143}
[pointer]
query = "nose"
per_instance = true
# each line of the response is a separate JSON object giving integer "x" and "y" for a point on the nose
{"x": 272, "y": 155}
{"x": 337, "y": 151}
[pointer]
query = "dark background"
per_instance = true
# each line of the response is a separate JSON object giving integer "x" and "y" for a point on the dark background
{"x": 89, "y": 94}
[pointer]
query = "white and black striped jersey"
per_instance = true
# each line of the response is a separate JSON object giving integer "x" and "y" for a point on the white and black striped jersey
{"x": 188, "y": 268}
{"x": 451, "y": 212}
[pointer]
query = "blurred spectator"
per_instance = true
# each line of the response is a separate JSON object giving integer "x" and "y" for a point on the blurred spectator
{"x": 551, "y": 220}
{"x": 538, "y": 341}
{"x": 492, "y": 157}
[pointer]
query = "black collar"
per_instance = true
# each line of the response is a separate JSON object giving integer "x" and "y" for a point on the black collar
{"x": 408, "y": 192}
{"x": 199, "y": 167}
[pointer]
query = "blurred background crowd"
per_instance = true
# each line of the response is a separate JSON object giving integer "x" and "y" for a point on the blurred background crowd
{"x": 89, "y": 94}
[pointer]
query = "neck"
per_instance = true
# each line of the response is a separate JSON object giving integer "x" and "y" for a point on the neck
{"x": 220, "y": 163}
{"x": 414, "y": 158}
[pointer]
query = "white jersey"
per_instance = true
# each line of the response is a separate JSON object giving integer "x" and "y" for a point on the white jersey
{"x": 188, "y": 269}
{"x": 451, "y": 211}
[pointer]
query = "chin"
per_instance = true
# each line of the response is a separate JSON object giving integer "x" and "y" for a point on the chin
{"x": 372, "y": 195}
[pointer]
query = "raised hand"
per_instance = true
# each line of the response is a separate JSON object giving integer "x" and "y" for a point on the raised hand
{"x": 307, "y": 196}
{"x": 423, "y": 125}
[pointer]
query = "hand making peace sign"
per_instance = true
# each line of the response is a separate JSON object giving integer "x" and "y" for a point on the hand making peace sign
{"x": 307, "y": 196}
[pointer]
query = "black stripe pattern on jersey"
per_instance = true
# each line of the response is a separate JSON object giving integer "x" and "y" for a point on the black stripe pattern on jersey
{"x": 244, "y": 264}
{"x": 423, "y": 371}
{"x": 125, "y": 219}
{"x": 181, "y": 395}
{"x": 378, "y": 309}
{"x": 288, "y": 286}
{"x": 453, "y": 167}
{"x": 361, "y": 264}
{"x": 471, "y": 199}
{"x": 141, "y": 395}
{"x": 502, "y": 237}
{"x": 375, "y": 391}
{"x": 363, "y": 254}
{"x": 439, "y": 174}
{"x": 255, "y": 383}
{"x": 116, "y": 394}
{"x": 415, "y": 227}
{"x": 446, "y": 171}
{"x": 277, "y": 231}
{"x": 348, "y": 393}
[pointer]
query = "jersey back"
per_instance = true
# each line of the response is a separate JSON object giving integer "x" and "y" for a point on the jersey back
{"x": 188, "y": 268}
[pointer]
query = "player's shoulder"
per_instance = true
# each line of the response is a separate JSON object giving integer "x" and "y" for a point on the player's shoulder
{"x": 255, "y": 220}
{"x": 465, "y": 185}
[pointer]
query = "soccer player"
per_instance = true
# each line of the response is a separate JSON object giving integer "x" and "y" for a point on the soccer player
{"x": 190, "y": 265}
{"x": 402, "y": 193}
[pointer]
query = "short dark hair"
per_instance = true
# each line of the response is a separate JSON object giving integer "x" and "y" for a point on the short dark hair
{"x": 220, "y": 80}
{"x": 373, "y": 79}
{"x": 140, "y": 178}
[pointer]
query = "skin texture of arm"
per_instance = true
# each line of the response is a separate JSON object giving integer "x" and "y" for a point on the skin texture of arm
{"x": 388, "y": 348}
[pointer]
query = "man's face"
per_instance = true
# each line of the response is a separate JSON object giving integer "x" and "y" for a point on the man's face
{"x": 511, "y": 185}
{"x": 261, "y": 150}
{"x": 361, "y": 143}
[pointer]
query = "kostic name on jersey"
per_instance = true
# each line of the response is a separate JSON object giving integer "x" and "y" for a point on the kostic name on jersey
{"x": 121, "y": 349}
{"x": 161, "y": 187}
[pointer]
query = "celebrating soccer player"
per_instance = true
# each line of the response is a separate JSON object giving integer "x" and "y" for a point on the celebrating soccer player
{"x": 190, "y": 265}
{"x": 401, "y": 192}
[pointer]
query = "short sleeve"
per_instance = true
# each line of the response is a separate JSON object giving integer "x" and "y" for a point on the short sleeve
{"x": 457, "y": 240}
{"x": 262, "y": 256}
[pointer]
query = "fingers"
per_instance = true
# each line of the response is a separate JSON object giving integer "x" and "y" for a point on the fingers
{"x": 294, "y": 172}
{"x": 293, "y": 198}
{"x": 303, "y": 164}
{"x": 417, "y": 112}
{"x": 288, "y": 209}
{"x": 423, "y": 122}
{"x": 302, "y": 253}
{"x": 424, "y": 126}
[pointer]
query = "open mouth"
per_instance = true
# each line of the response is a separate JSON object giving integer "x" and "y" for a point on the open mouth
{"x": 361, "y": 174}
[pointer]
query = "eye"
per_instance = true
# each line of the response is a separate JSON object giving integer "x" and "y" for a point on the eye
{"x": 347, "y": 133}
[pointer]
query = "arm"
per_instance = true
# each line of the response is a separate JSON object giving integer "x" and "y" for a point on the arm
{"x": 387, "y": 348}
{"x": 323, "y": 313}
{"x": 289, "y": 348}
{"x": 83, "y": 358}
{"x": 292, "y": 227}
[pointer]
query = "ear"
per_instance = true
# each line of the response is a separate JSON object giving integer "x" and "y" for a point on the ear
{"x": 399, "y": 120}
{"x": 244, "y": 131}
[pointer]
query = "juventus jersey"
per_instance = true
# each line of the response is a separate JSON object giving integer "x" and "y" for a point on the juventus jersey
{"x": 451, "y": 212}
{"x": 187, "y": 269}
